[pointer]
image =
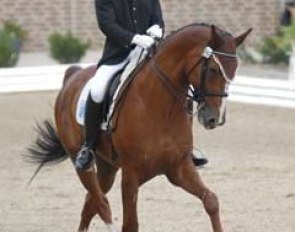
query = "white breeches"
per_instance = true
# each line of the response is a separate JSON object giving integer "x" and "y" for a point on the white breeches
{"x": 98, "y": 84}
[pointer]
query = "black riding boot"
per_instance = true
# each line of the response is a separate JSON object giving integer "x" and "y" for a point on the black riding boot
{"x": 200, "y": 161}
{"x": 197, "y": 159}
{"x": 93, "y": 119}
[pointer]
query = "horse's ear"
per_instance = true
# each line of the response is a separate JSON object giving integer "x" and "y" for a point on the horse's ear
{"x": 240, "y": 39}
{"x": 215, "y": 40}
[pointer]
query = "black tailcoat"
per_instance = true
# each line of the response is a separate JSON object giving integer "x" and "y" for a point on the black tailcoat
{"x": 120, "y": 20}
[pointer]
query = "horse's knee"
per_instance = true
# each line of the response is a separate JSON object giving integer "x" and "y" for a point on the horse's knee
{"x": 178, "y": 174}
{"x": 211, "y": 204}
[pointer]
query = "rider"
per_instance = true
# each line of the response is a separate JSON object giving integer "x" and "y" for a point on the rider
{"x": 126, "y": 24}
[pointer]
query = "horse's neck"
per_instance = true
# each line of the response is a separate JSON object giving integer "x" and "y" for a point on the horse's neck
{"x": 156, "y": 94}
{"x": 171, "y": 60}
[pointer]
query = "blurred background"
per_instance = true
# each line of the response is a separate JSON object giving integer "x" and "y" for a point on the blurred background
{"x": 40, "y": 25}
{"x": 251, "y": 159}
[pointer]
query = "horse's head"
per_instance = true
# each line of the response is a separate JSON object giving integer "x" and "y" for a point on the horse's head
{"x": 212, "y": 74}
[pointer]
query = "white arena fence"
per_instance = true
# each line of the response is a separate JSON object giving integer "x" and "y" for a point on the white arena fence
{"x": 243, "y": 89}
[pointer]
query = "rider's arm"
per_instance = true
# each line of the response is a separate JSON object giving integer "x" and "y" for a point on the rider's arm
{"x": 107, "y": 22}
{"x": 157, "y": 18}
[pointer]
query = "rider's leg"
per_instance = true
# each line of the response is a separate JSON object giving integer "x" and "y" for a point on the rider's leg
{"x": 93, "y": 114}
{"x": 91, "y": 126}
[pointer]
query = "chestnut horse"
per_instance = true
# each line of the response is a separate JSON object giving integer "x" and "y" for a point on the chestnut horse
{"x": 152, "y": 127}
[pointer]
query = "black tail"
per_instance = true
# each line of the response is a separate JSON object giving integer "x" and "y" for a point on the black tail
{"x": 47, "y": 149}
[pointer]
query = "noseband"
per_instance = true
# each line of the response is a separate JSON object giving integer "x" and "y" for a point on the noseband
{"x": 198, "y": 95}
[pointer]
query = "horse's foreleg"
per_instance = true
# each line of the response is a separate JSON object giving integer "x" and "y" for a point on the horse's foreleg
{"x": 97, "y": 201}
{"x": 129, "y": 195}
{"x": 186, "y": 176}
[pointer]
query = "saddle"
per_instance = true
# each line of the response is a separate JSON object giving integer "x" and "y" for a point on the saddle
{"x": 110, "y": 92}
{"x": 116, "y": 88}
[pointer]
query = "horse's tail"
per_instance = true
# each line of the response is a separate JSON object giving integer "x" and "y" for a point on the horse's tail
{"x": 47, "y": 149}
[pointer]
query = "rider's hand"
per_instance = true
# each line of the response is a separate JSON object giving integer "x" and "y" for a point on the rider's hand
{"x": 155, "y": 31}
{"x": 143, "y": 41}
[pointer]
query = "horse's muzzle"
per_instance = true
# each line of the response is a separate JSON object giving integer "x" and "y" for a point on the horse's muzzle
{"x": 209, "y": 117}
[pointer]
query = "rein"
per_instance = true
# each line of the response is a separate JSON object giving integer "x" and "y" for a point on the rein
{"x": 198, "y": 95}
{"x": 175, "y": 90}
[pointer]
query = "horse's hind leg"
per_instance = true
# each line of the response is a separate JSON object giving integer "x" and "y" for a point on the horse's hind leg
{"x": 105, "y": 175}
{"x": 97, "y": 200}
{"x": 186, "y": 176}
{"x": 92, "y": 204}
{"x": 88, "y": 212}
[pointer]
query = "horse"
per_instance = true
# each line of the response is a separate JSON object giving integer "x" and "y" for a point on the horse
{"x": 151, "y": 129}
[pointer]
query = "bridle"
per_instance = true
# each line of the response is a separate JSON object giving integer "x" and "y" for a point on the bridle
{"x": 208, "y": 54}
{"x": 197, "y": 95}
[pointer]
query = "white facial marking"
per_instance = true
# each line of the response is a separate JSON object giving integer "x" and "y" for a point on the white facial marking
{"x": 223, "y": 100}
{"x": 217, "y": 61}
{"x": 223, "y": 105}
